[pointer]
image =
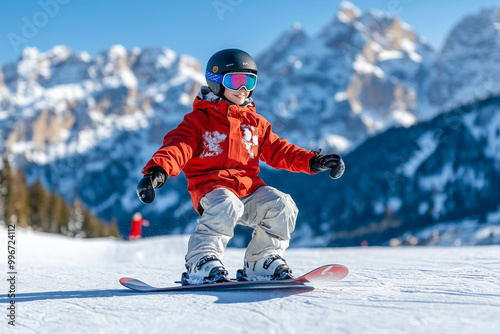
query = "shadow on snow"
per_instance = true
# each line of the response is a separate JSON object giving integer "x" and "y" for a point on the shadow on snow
{"x": 224, "y": 297}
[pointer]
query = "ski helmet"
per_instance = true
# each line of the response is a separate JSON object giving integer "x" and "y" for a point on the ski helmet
{"x": 227, "y": 60}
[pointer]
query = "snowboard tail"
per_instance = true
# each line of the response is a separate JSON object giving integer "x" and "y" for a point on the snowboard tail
{"x": 328, "y": 273}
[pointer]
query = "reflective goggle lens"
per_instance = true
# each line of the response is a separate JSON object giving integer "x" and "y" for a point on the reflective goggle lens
{"x": 234, "y": 81}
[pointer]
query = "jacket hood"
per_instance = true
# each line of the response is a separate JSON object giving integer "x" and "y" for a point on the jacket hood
{"x": 207, "y": 95}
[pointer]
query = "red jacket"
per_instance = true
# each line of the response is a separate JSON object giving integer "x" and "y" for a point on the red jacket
{"x": 219, "y": 145}
{"x": 136, "y": 230}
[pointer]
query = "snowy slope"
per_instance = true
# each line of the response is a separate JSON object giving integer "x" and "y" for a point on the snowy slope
{"x": 71, "y": 286}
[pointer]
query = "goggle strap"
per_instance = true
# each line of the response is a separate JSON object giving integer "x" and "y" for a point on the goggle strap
{"x": 214, "y": 77}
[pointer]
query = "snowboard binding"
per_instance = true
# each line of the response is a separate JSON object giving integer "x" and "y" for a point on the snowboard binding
{"x": 211, "y": 264}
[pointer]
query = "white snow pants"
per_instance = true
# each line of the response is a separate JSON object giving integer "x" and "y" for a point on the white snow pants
{"x": 270, "y": 212}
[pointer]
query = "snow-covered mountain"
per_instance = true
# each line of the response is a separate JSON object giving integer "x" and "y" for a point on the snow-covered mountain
{"x": 87, "y": 124}
{"x": 58, "y": 103}
{"x": 467, "y": 67}
{"x": 363, "y": 73}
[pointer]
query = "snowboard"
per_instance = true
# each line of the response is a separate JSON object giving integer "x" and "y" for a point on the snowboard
{"x": 323, "y": 274}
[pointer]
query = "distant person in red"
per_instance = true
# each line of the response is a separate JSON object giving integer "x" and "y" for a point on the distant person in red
{"x": 137, "y": 223}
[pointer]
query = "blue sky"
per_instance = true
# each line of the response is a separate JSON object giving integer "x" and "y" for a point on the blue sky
{"x": 197, "y": 27}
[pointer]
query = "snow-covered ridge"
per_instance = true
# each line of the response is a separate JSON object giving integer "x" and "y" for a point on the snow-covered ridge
{"x": 58, "y": 103}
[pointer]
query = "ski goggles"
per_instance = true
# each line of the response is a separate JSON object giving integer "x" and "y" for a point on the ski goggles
{"x": 234, "y": 80}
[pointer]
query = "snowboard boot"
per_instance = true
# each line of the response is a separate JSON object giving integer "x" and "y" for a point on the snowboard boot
{"x": 272, "y": 267}
{"x": 208, "y": 269}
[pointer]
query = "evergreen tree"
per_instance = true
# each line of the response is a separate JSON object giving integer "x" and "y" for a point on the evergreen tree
{"x": 76, "y": 220}
{"x": 58, "y": 213}
{"x": 48, "y": 212}
{"x": 9, "y": 196}
{"x": 111, "y": 229}
{"x": 3, "y": 189}
{"x": 91, "y": 226}
{"x": 21, "y": 198}
{"x": 39, "y": 204}
{"x": 64, "y": 215}
{"x": 14, "y": 192}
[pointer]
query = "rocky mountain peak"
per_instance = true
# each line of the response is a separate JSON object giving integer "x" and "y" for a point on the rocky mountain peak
{"x": 467, "y": 68}
{"x": 287, "y": 45}
{"x": 347, "y": 12}
{"x": 480, "y": 29}
{"x": 363, "y": 73}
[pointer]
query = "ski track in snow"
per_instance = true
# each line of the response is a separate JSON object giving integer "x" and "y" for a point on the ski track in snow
{"x": 71, "y": 286}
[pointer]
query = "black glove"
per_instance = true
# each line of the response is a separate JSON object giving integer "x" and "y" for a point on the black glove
{"x": 155, "y": 178}
{"x": 333, "y": 162}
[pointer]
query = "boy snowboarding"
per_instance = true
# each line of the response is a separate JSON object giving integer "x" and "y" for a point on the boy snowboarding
{"x": 218, "y": 146}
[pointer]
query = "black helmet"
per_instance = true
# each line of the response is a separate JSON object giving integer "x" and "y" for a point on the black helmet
{"x": 224, "y": 61}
